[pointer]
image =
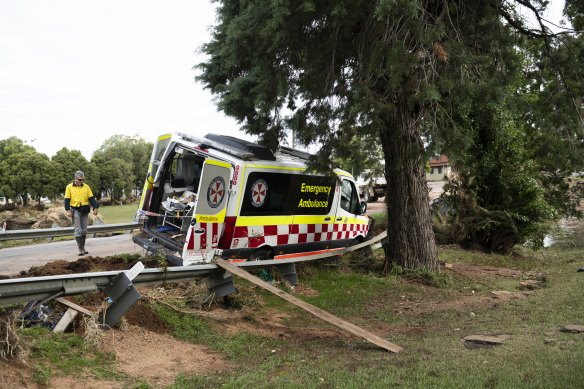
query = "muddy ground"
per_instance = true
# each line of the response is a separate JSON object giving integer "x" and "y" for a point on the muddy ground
{"x": 144, "y": 348}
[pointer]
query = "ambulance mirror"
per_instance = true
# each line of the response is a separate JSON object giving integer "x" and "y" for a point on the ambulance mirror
{"x": 363, "y": 207}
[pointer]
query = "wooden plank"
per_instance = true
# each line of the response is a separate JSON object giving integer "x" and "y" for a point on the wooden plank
{"x": 74, "y": 306}
{"x": 487, "y": 339}
{"x": 329, "y": 318}
{"x": 65, "y": 320}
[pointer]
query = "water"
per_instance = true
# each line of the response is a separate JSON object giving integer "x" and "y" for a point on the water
{"x": 570, "y": 233}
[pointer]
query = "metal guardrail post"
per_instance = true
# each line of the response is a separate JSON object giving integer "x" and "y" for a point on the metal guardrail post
{"x": 123, "y": 295}
{"x": 221, "y": 284}
{"x": 288, "y": 272}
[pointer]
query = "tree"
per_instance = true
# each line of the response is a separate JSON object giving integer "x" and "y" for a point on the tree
{"x": 67, "y": 162}
{"x": 389, "y": 69}
{"x": 121, "y": 164}
{"x": 24, "y": 171}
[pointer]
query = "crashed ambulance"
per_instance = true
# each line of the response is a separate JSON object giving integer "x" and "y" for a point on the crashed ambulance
{"x": 219, "y": 195}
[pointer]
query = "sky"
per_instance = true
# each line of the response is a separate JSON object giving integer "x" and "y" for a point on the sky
{"x": 74, "y": 73}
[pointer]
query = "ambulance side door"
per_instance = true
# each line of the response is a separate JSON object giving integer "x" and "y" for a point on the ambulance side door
{"x": 210, "y": 208}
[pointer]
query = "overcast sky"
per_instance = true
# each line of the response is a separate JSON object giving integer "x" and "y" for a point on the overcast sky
{"x": 74, "y": 73}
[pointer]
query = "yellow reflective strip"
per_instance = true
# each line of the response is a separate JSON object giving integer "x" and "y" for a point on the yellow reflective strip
{"x": 217, "y": 218}
{"x": 276, "y": 167}
{"x": 313, "y": 219}
{"x": 246, "y": 221}
{"x": 217, "y": 163}
{"x": 164, "y": 137}
{"x": 344, "y": 174}
{"x": 354, "y": 220}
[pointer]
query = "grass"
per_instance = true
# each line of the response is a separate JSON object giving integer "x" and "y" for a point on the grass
{"x": 428, "y": 319}
{"x": 114, "y": 214}
{"x": 56, "y": 354}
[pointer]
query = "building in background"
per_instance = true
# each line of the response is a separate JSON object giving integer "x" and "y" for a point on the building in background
{"x": 440, "y": 169}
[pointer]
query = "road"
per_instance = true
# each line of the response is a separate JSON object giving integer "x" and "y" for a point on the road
{"x": 435, "y": 191}
{"x": 15, "y": 259}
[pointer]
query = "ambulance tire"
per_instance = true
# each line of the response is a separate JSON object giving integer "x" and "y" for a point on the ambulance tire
{"x": 260, "y": 255}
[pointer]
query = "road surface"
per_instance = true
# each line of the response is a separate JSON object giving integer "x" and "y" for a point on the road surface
{"x": 15, "y": 259}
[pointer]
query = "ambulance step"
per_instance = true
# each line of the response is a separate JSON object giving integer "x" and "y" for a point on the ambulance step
{"x": 154, "y": 248}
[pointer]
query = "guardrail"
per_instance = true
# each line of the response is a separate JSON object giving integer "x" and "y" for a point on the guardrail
{"x": 65, "y": 231}
{"x": 17, "y": 290}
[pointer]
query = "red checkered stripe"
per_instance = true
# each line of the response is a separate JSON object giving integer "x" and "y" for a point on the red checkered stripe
{"x": 208, "y": 239}
{"x": 276, "y": 235}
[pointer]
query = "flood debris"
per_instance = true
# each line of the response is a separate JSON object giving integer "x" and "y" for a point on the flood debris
{"x": 573, "y": 328}
{"x": 477, "y": 341}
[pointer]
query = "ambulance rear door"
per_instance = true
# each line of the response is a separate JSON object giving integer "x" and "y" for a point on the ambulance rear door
{"x": 210, "y": 209}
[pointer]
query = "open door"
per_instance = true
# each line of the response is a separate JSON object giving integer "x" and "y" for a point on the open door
{"x": 155, "y": 159}
{"x": 208, "y": 220}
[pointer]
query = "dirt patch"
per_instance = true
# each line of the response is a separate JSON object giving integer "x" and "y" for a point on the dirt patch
{"x": 158, "y": 358}
{"x": 85, "y": 265}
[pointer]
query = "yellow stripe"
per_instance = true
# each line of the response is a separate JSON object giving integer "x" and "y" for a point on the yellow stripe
{"x": 343, "y": 173}
{"x": 164, "y": 137}
{"x": 313, "y": 219}
{"x": 246, "y": 221}
{"x": 276, "y": 167}
{"x": 217, "y": 163}
{"x": 353, "y": 220}
{"x": 217, "y": 218}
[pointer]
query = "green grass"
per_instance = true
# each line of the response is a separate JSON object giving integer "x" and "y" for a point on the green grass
{"x": 537, "y": 355}
{"x": 57, "y": 354}
{"x": 114, "y": 214}
{"x": 434, "y": 355}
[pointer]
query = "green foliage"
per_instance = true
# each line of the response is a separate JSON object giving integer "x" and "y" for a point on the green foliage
{"x": 496, "y": 201}
{"x": 122, "y": 162}
{"x": 119, "y": 165}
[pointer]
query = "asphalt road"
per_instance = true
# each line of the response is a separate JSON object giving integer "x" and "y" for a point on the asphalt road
{"x": 15, "y": 259}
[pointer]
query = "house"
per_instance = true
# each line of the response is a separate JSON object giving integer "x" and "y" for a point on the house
{"x": 440, "y": 169}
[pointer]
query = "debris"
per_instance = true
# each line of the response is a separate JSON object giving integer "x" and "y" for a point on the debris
{"x": 531, "y": 284}
{"x": 74, "y": 306}
{"x": 573, "y": 328}
{"x": 487, "y": 339}
{"x": 446, "y": 265}
{"x": 65, "y": 320}
{"x": 504, "y": 294}
{"x": 580, "y": 270}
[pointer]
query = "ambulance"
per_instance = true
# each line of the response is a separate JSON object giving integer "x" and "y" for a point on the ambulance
{"x": 220, "y": 195}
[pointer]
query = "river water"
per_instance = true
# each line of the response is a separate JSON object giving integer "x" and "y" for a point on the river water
{"x": 569, "y": 233}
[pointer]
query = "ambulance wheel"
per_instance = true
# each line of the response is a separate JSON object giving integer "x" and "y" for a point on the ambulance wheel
{"x": 260, "y": 255}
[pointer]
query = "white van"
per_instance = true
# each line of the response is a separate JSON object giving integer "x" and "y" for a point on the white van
{"x": 219, "y": 194}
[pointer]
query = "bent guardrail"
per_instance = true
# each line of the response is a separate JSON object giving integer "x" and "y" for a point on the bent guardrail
{"x": 17, "y": 290}
{"x": 65, "y": 231}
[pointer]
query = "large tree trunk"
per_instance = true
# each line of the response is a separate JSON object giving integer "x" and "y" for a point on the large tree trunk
{"x": 411, "y": 242}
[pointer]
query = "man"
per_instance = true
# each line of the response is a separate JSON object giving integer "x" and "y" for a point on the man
{"x": 78, "y": 198}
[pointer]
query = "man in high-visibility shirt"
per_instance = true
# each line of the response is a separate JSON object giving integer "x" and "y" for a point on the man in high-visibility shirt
{"x": 79, "y": 200}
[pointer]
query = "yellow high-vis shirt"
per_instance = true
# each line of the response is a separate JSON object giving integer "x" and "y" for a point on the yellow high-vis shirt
{"x": 79, "y": 195}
